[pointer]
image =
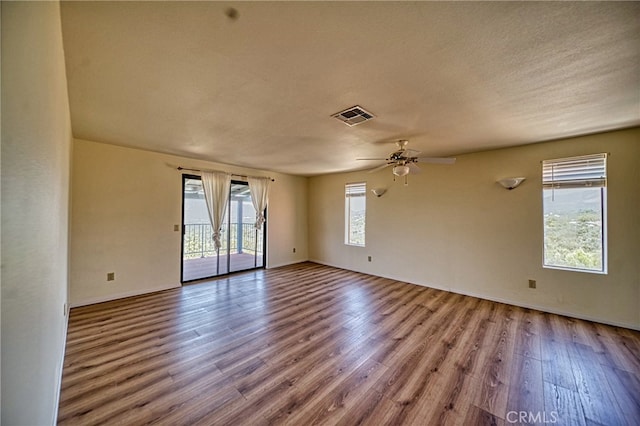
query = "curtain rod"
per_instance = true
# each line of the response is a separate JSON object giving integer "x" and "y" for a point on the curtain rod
{"x": 232, "y": 174}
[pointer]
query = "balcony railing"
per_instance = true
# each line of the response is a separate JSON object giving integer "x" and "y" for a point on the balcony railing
{"x": 198, "y": 241}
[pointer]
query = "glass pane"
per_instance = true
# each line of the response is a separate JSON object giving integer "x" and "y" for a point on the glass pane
{"x": 357, "y": 211}
{"x": 573, "y": 228}
{"x": 246, "y": 241}
{"x": 199, "y": 257}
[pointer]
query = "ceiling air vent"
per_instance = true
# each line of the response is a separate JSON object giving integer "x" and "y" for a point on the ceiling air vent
{"x": 354, "y": 115}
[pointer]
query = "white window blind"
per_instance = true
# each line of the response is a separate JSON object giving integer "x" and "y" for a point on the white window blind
{"x": 575, "y": 172}
{"x": 355, "y": 189}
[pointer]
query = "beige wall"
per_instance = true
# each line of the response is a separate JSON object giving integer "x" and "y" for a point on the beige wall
{"x": 125, "y": 205}
{"x": 36, "y": 141}
{"x": 454, "y": 228}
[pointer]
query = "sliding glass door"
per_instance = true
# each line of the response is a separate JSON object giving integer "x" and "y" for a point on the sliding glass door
{"x": 243, "y": 246}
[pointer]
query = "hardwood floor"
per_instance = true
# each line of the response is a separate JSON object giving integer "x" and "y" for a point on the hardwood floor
{"x": 309, "y": 344}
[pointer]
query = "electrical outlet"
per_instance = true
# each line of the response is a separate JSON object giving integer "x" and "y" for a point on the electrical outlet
{"x": 369, "y": 258}
{"x": 111, "y": 276}
{"x": 532, "y": 283}
{"x": 176, "y": 228}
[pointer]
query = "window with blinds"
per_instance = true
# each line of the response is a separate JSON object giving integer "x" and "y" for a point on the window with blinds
{"x": 355, "y": 196}
{"x": 574, "y": 192}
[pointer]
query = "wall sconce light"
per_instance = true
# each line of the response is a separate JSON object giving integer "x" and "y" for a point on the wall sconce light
{"x": 378, "y": 191}
{"x": 511, "y": 183}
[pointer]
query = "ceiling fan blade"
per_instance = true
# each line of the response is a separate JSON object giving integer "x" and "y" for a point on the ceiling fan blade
{"x": 411, "y": 153}
{"x": 436, "y": 160}
{"x": 413, "y": 169}
{"x": 376, "y": 159}
{"x": 379, "y": 168}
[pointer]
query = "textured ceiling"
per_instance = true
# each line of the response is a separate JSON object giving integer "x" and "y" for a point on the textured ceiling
{"x": 258, "y": 91}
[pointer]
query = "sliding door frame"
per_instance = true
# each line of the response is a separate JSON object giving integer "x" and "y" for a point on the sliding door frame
{"x": 185, "y": 177}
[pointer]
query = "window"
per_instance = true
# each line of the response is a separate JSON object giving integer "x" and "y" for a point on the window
{"x": 355, "y": 208}
{"x": 574, "y": 192}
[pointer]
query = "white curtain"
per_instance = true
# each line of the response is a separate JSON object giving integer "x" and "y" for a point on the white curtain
{"x": 259, "y": 188}
{"x": 216, "y": 187}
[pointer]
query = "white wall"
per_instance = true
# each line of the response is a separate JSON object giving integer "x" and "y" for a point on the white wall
{"x": 454, "y": 228}
{"x": 36, "y": 141}
{"x": 125, "y": 204}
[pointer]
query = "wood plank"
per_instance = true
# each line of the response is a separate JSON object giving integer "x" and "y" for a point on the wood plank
{"x": 341, "y": 397}
{"x": 453, "y": 388}
{"x": 562, "y": 405}
{"x": 478, "y": 417}
{"x": 494, "y": 367}
{"x": 314, "y": 382}
{"x": 625, "y": 390}
{"x": 373, "y": 408}
{"x": 598, "y": 402}
{"x": 527, "y": 337}
{"x": 413, "y": 368}
{"x": 556, "y": 364}
{"x": 526, "y": 391}
{"x": 447, "y": 400}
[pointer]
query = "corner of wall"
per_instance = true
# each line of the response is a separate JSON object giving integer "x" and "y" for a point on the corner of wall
{"x": 457, "y": 229}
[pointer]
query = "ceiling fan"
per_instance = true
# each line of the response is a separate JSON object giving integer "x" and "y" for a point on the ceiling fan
{"x": 404, "y": 161}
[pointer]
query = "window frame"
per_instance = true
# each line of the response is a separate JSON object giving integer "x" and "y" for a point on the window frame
{"x": 355, "y": 189}
{"x": 586, "y": 171}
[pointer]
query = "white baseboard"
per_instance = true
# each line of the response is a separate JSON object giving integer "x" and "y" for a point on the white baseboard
{"x": 279, "y": 265}
{"x": 505, "y": 301}
{"x": 110, "y": 297}
{"x": 550, "y": 310}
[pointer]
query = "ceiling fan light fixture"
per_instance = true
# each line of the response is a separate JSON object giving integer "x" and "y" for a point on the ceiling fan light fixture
{"x": 401, "y": 170}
